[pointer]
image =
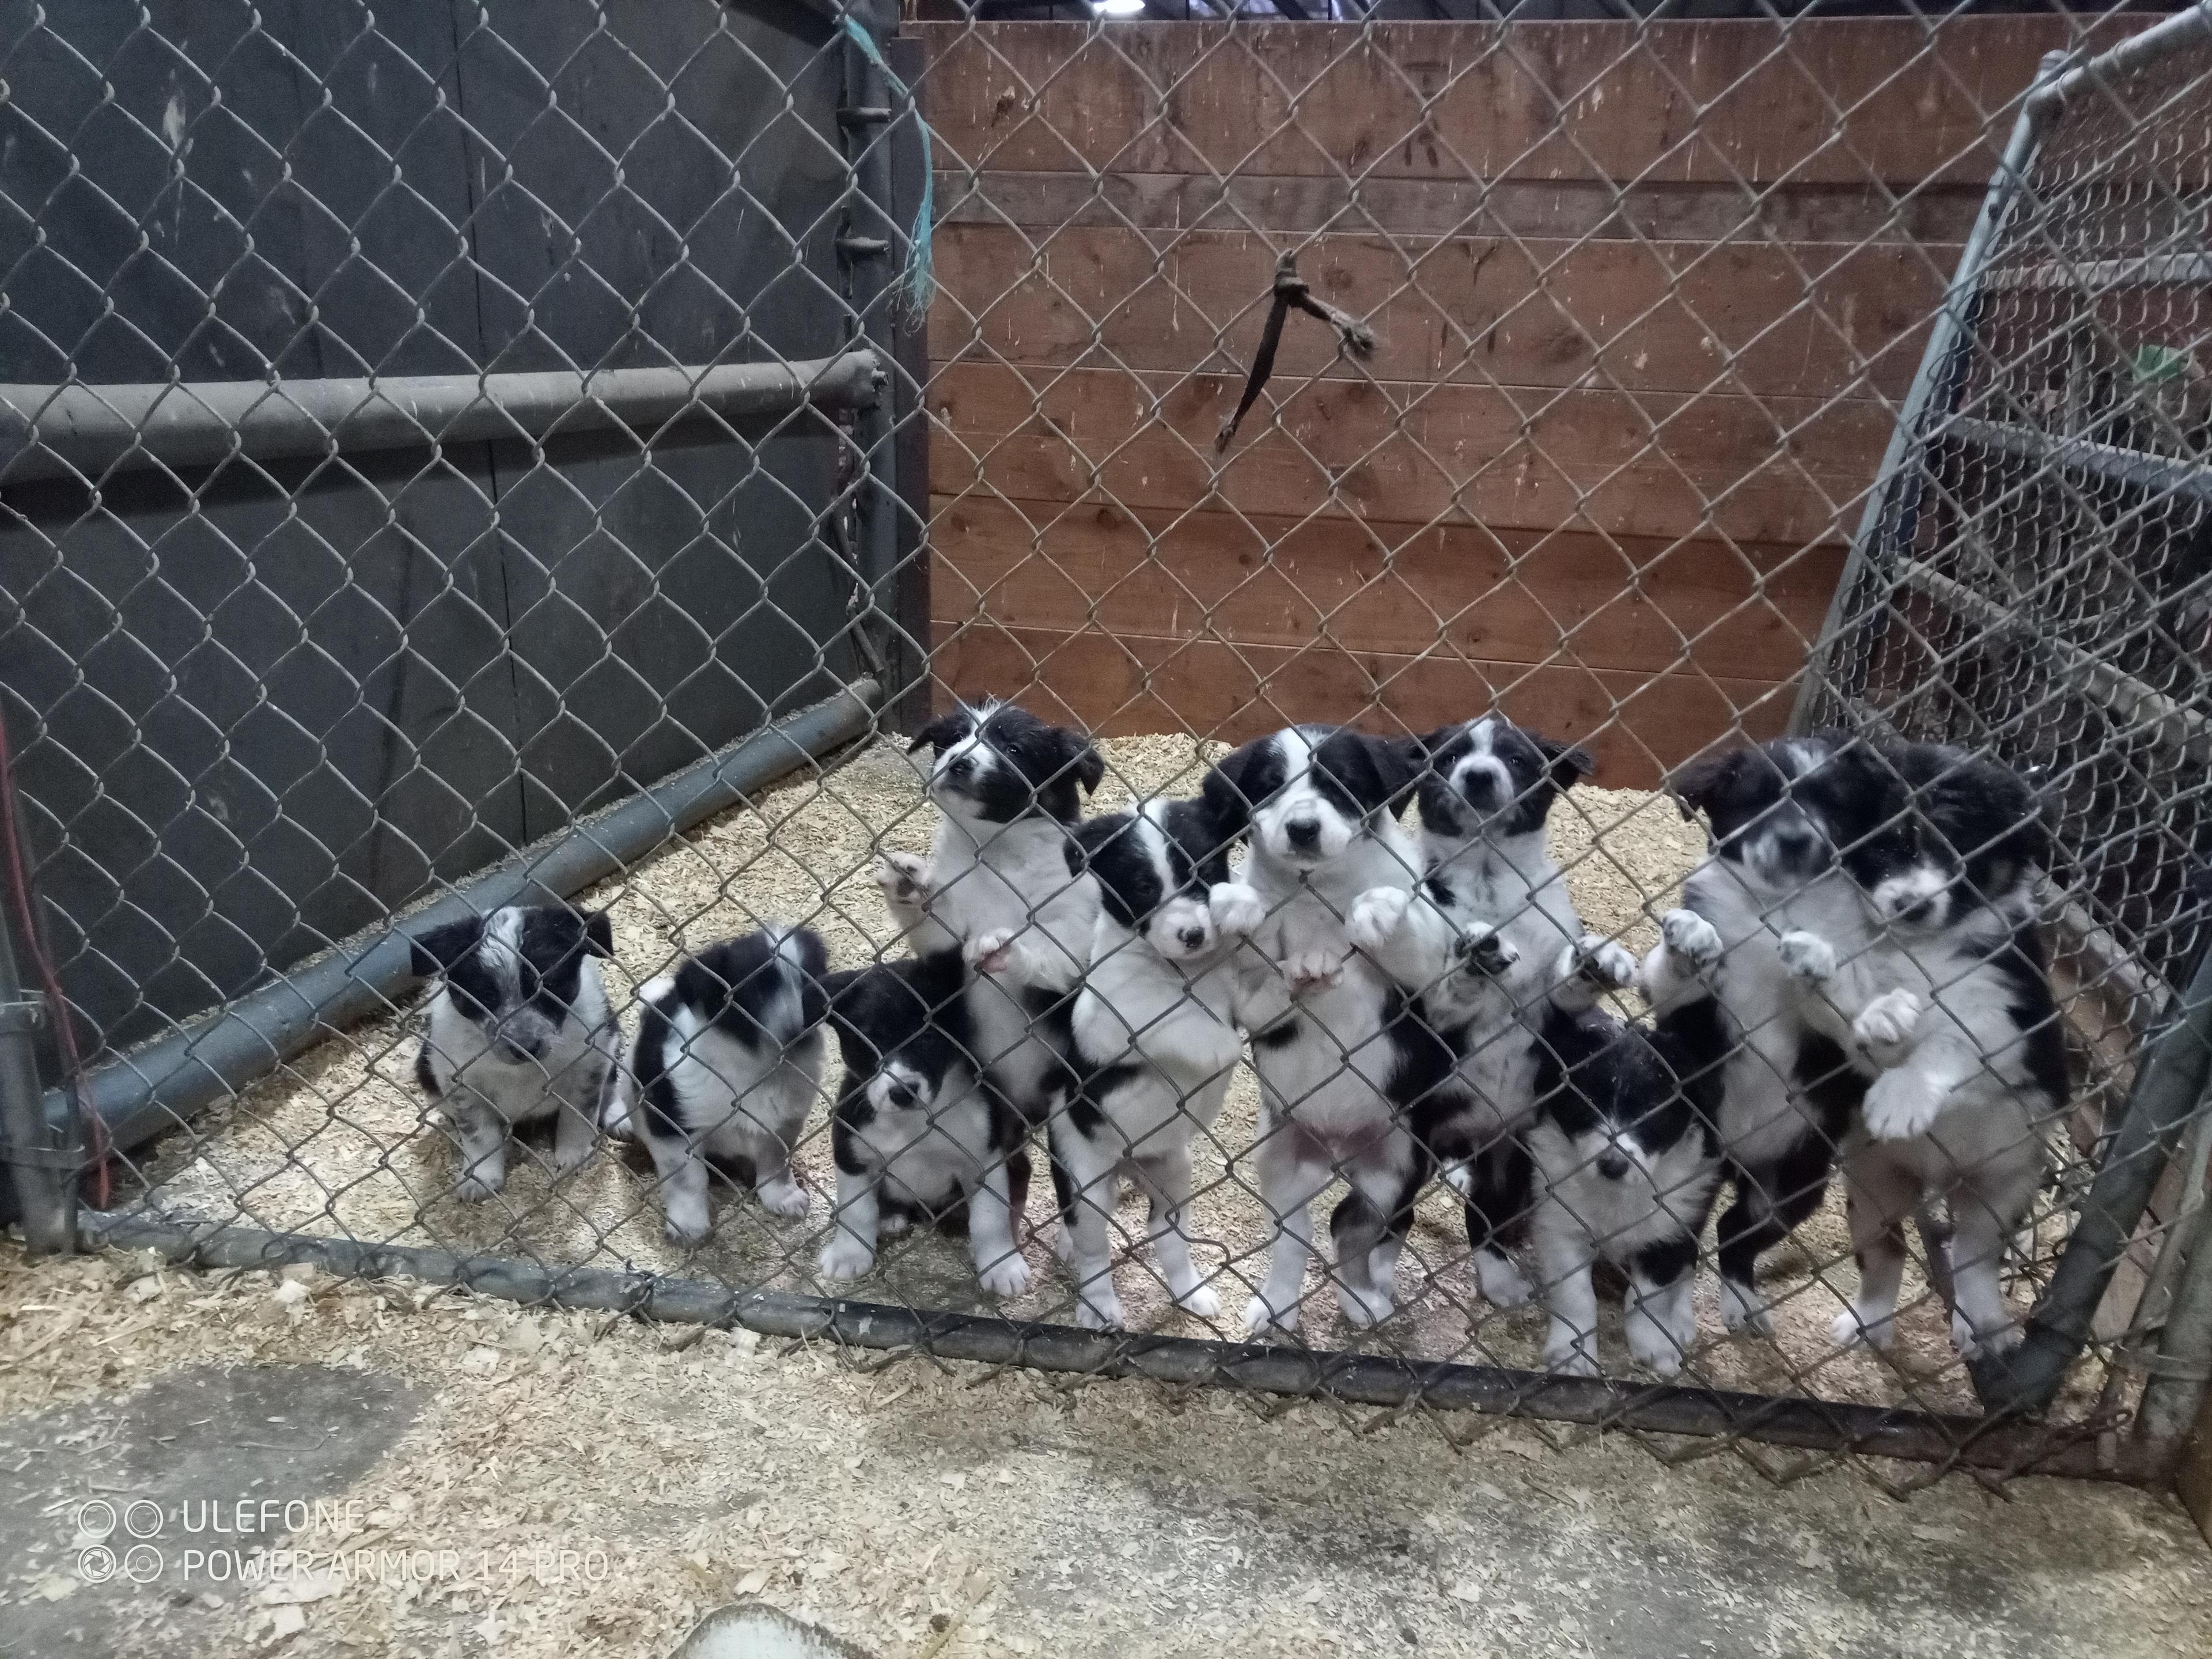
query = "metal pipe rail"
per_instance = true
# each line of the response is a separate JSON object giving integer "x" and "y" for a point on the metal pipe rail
{"x": 57, "y": 431}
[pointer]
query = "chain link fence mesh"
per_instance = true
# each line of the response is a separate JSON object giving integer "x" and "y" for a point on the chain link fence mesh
{"x": 480, "y": 458}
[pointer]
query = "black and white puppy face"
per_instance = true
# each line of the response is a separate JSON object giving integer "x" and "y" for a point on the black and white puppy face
{"x": 1491, "y": 777}
{"x": 514, "y": 974}
{"x": 997, "y": 762}
{"x": 1621, "y": 1112}
{"x": 1306, "y": 794}
{"x": 1980, "y": 837}
{"x": 897, "y": 1052}
{"x": 1790, "y": 811}
{"x": 1155, "y": 868}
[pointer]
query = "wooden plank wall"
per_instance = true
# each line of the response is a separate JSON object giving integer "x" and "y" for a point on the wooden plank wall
{"x": 1646, "y": 296}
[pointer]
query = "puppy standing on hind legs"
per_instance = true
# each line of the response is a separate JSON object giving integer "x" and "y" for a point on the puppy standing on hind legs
{"x": 519, "y": 1030}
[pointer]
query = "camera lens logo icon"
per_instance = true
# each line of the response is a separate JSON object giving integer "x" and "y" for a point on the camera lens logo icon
{"x": 143, "y": 1519}
{"x": 141, "y": 1564}
{"x": 96, "y": 1564}
{"x": 95, "y": 1519}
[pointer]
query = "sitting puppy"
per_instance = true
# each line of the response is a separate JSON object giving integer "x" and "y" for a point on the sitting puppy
{"x": 1945, "y": 988}
{"x": 1630, "y": 1163}
{"x": 519, "y": 1030}
{"x": 1799, "y": 829}
{"x": 1002, "y": 889}
{"x": 918, "y": 1135}
{"x": 726, "y": 1065}
{"x": 1330, "y": 1035}
{"x": 1487, "y": 942}
{"x": 1155, "y": 1040}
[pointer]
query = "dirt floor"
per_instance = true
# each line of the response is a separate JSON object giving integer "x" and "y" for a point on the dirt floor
{"x": 472, "y": 1478}
{"x": 340, "y": 1142}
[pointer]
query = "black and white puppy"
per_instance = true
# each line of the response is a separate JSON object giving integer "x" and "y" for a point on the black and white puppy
{"x": 1002, "y": 889}
{"x": 726, "y": 1065}
{"x": 1489, "y": 942}
{"x": 1799, "y": 829}
{"x": 1945, "y": 987}
{"x": 1629, "y": 1162}
{"x": 918, "y": 1134}
{"x": 1330, "y": 1034}
{"x": 1155, "y": 1041}
{"x": 519, "y": 1030}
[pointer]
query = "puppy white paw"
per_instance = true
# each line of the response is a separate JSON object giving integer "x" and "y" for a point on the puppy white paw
{"x": 784, "y": 1197}
{"x": 570, "y": 1159}
{"x": 1850, "y": 1330}
{"x": 1652, "y": 1345}
{"x": 1007, "y": 1276}
{"x": 1979, "y": 1345}
{"x": 1098, "y": 1308}
{"x": 475, "y": 1189}
{"x": 1237, "y": 910}
{"x": 991, "y": 952}
{"x": 894, "y": 1224}
{"x": 1885, "y": 1027}
{"x": 1743, "y": 1311}
{"x": 1480, "y": 949}
{"x": 1691, "y": 938}
{"x": 1503, "y": 1285}
{"x": 1364, "y": 1307}
{"x": 1568, "y": 1353}
{"x": 905, "y": 877}
{"x": 1262, "y": 1318}
{"x": 1376, "y": 917}
{"x": 1603, "y": 963}
{"x": 1199, "y": 1301}
{"x": 1900, "y": 1106}
{"x": 1807, "y": 957}
{"x": 845, "y": 1257}
{"x": 1312, "y": 971}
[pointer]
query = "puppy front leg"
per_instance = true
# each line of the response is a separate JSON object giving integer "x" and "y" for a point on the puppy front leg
{"x": 1905, "y": 1101}
{"x": 1678, "y": 967}
{"x": 1403, "y": 934}
{"x": 850, "y": 1251}
{"x": 1564, "y": 1259}
{"x": 998, "y": 1264}
{"x": 1086, "y": 1215}
{"x": 1588, "y": 969}
{"x": 576, "y": 1129}
{"x": 483, "y": 1150}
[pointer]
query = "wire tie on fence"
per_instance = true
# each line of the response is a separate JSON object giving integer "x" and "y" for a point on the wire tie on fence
{"x": 1291, "y": 289}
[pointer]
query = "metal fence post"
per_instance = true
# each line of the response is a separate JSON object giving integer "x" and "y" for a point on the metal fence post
{"x": 43, "y": 1173}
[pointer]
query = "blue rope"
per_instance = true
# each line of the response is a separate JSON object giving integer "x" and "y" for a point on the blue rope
{"x": 920, "y": 278}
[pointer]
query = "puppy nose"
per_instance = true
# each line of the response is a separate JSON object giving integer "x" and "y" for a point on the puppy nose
{"x": 1193, "y": 936}
{"x": 1303, "y": 832}
{"x": 899, "y": 1095}
{"x": 1915, "y": 909}
{"x": 1612, "y": 1165}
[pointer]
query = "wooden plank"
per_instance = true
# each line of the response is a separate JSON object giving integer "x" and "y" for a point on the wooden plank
{"x": 1564, "y": 208}
{"x": 1903, "y": 101}
{"x": 1807, "y": 321}
{"x": 1508, "y": 596}
{"x": 1773, "y": 470}
{"x": 1636, "y": 725}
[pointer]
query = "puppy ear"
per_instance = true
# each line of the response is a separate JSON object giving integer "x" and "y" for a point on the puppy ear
{"x": 1090, "y": 765}
{"x": 1569, "y": 763}
{"x": 942, "y": 732}
{"x": 436, "y": 952}
{"x": 1223, "y": 793}
{"x": 1693, "y": 786}
{"x": 1397, "y": 770}
{"x": 599, "y": 934}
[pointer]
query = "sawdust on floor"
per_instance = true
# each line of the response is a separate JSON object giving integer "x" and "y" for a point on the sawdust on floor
{"x": 643, "y": 1473}
{"x": 341, "y": 1142}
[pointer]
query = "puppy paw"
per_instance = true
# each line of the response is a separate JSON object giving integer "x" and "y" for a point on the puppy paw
{"x": 894, "y": 1224}
{"x": 1691, "y": 940}
{"x": 1603, "y": 963}
{"x": 475, "y": 1190}
{"x": 1263, "y": 1318}
{"x": 1569, "y": 1353}
{"x": 845, "y": 1257}
{"x": 1807, "y": 957}
{"x": 1652, "y": 1345}
{"x": 784, "y": 1197}
{"x": 1744, "y": 1311}
{"x": 1885, "y": 1027}
{"x": 1503, "y": 1285}
{"x": 1007, "y": 1276}
{"x": 905, "y": 877}
{"x": 990, "y": 953}
{"x": 1237, "y": 910}
{"x": 1376, "y": 916}
{"x": 1901, "y": 1106}
{"x": 1364, "y": 1307}
{"x": 1982, "y": 1345}
{"x": 1098, "y": 1308}
{"x": 1480, "y": 949}
{"x": 1850, "y": 1330}
{"x": 1312, "y": 971}
{"x": 1199, "y": 1301}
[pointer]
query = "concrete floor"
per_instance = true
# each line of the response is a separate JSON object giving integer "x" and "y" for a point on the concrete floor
{"x": 571, "y": 1484}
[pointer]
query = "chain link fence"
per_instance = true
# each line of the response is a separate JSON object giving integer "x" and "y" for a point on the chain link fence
{"x": 516, "y": 518}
